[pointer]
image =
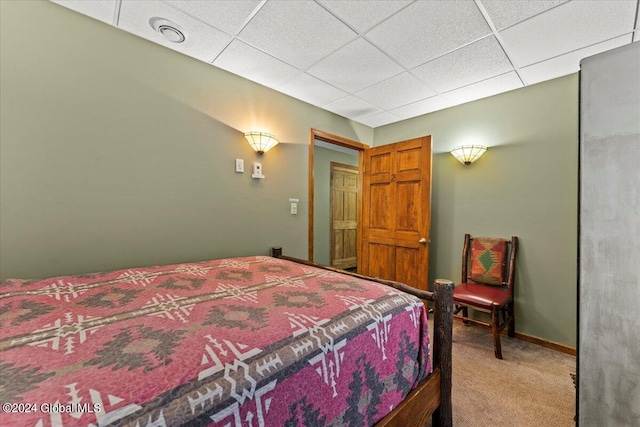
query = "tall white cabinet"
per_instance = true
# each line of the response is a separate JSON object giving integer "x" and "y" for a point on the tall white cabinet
{"x": 609, "y": 242}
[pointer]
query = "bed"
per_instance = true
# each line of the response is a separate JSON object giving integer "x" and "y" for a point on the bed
{"x": 249, "y": 341}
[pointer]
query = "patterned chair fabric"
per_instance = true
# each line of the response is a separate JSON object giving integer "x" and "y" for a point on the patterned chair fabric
{"x": 488, "y": 258}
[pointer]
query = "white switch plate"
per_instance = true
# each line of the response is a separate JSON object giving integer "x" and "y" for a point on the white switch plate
{"x": 294, "y": 208}
{"x": 239, "y": 165}
{"x": 257, "y": 171}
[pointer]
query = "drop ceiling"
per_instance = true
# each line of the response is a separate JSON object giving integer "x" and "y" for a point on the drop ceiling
{"x": 379, "y": 62}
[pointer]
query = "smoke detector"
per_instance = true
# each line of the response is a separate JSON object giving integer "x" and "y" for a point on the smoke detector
{"x": 170, "y": 31}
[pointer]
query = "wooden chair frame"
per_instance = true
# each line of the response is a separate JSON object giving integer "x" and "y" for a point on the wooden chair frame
{"x": 498, "y": 311}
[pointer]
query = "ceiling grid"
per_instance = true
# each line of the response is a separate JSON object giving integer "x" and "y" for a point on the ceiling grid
{"x": 381, "y": 61}
{"x": 496, "y": 34}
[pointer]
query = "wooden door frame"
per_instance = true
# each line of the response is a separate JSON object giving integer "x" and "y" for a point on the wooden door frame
{"x": 332, "y": 237}
{"x": 342, "y": 142}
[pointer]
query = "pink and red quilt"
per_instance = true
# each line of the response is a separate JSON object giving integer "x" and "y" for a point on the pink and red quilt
{"x": 254, "y": 341}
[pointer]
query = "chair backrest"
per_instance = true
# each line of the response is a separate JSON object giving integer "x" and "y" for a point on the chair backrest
{"x": 484, "y": 260}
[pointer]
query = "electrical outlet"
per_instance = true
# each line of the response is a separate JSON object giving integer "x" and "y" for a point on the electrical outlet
{"x": 257, "y": 171}
{"x": 239, "y": 165}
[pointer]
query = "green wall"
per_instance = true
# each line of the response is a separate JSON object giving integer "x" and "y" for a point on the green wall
{"x": 322, "y": 158}
{"x": 117, "y": 152}
{"x": 525, "y": 185}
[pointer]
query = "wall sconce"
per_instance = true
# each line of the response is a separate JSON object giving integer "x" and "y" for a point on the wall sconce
{"x": 261, "y": 142}
{"x": 467, "y": 154}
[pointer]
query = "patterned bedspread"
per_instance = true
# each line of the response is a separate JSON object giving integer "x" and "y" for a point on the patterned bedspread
{"x": 254, "y": 341}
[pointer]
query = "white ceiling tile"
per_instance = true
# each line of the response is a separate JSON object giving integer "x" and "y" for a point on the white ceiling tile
{"x": 568, "y": 27}
{"x": 202, "y": 41}
{"x": 352, "y": 108}
{"x": 568, "y": 63}
{"x": 485, "y": 88}
{"x": 423, "y": 107}
{"x": 355, "y": 66}
{"x": 503, "y": 14}
{"x": 379, "y": 119}
{"x": 428, "y": 29}
{"x": 361, "y": 16}
{"x": 253, "y": 64}
{"x": 225, "y": 15}
{"x": 311, "y": 90}
{"x": 397, "y": 91}
{"x": 297, "y": 32}
{"x": 469, "y": 64}
{"x": 102, "y": 10}
{"x": 410, "y": 48}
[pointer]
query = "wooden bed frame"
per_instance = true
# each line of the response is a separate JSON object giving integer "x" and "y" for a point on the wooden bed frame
{"x": 432, "y": 397}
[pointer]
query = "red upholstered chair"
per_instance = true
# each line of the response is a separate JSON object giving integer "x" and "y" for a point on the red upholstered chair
{"x": 487, "y": 284}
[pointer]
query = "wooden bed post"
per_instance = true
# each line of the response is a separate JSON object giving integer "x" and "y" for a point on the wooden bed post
{"x": 442, "y": 344}
{"x": 276, "y": 251}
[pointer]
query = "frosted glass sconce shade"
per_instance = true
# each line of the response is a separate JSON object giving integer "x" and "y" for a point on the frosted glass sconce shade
{"x": 467, "y": 154}
{"x": 261, "y": 142}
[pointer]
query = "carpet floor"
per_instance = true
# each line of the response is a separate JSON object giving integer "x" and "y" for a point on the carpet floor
{"x": 531, "y": 386}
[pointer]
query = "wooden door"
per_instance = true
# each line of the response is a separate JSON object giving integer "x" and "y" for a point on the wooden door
{"x": 396, "y": 211}
{"x": 344, "y": 215}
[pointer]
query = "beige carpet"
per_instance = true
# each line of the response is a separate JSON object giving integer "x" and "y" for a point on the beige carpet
{"x": 531, "y": 386}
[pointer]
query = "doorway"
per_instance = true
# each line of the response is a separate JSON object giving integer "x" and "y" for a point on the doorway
{"x": 394, "y": 208}
{"x": 323, "y": 149}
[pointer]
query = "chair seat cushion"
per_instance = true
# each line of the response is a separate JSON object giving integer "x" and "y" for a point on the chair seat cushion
{"x": 480, "y": 295}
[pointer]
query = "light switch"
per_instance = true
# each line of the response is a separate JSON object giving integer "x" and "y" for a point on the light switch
{"x": 240, "y": 165}
{"x": 294, "y": 208}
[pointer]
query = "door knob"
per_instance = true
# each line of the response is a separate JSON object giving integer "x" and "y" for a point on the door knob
{"x": 423, "y": 240}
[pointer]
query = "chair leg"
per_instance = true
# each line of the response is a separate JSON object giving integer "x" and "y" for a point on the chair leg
{"x": 511, "y": 331}
{"x": 465, "y": 314}
{"x": 495, "y": 317}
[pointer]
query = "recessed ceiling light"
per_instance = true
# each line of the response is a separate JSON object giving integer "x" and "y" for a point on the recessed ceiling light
{"x": 170, "y": 31}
